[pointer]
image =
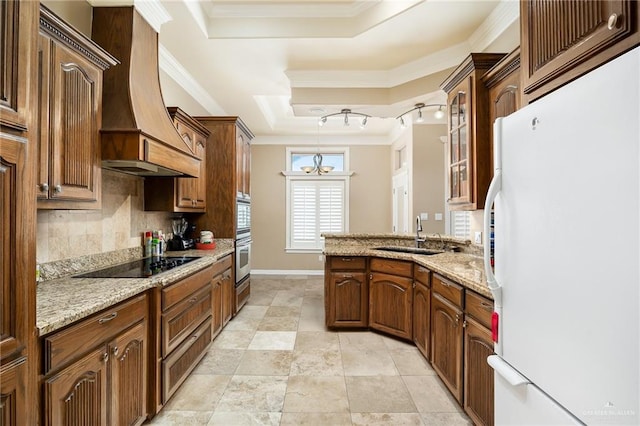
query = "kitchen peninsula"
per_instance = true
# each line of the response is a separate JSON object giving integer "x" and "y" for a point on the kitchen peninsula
{"x": 438, "y": 299}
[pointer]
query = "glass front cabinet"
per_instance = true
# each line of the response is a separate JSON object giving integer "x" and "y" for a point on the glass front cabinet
{"x": 469, "y": 144}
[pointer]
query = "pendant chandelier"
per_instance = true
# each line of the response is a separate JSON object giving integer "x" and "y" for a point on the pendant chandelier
{"x": 317, "y": 167}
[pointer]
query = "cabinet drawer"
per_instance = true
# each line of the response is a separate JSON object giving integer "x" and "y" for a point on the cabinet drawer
{"x": 393, "y": 267}
{"x": 221, "y": 265}
{"x": 448, "y": 289}
{"x": 243, "y": 291}
{"x": 421, "y": 274}
{"x": 184, "y": 317}
{"x": 479, "y": 307}
{"x": 177, "y": 366}
{"x": 348, "y": 262}
{"x": 70, "y": 344}
{"x": 183, "y": 288}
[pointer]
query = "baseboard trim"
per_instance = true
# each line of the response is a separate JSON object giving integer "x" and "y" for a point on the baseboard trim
{"x": 287, "y": 272}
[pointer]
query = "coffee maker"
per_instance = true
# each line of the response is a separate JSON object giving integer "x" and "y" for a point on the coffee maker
{"x": 180, "y": 241}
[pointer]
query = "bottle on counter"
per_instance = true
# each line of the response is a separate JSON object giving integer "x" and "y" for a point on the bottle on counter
{"x": 148, "y": 244}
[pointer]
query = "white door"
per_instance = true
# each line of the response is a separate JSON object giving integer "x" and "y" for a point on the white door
{"x": 401, "y": 203}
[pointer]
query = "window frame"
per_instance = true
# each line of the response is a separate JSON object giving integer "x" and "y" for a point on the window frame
{"x": 298, "y": 175}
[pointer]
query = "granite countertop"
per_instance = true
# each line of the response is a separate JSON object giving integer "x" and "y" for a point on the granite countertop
{"x": 465, "y": 268}
{"x": 62, "y": 301}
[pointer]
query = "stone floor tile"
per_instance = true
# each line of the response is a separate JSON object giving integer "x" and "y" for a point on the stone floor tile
{"x": 232, "y": 339}
{"x": 315, "y": 419}
{"x": 278, "y": 324}
{"x": 244, "y": 419}
{"x": 327, "y": 394}
{"x": 446, "y": 419}
{"x": 368, "y": 362}
{"x": 199, "y": 392}
{"x": 219, "y": 361}
{"x": 254, "y": 394}
{"x": 317, "y": 340}
{"x": 273, "y": 340}
{"x": 410, "y": 362}
{"x": 386, "y": 419}
{"x": 317, "y": 363}
{"x": 265, "y": 363}
{"x": 182, "y": 418}
{"x": 430, "y": 394}
{"x": 381, "y": 394}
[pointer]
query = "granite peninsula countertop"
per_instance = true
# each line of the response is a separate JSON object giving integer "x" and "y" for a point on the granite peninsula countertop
{"x": 64, "y": 300}
{"x": 465, "y": 267}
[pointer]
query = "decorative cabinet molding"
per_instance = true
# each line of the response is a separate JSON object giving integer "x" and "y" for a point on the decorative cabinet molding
{"x": 469, "y": 147}
{"x": 70, "y": 114}
{"x": 562, "y": 40}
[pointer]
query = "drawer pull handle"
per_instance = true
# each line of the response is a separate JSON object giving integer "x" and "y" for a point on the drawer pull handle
{"x": 115, "y": 351}
{"x": 108, "y": 318}
{"x": 612, "y": 21}
{"x": 446, "y": 284}
{"x": 346, "y": 259}
{"x": 194, "y": 337}
{"x": 105, "y": 356}
{"x": 193, "y": 300}
{"x": 487, "y": 306}
{"x": 347, "y": 276}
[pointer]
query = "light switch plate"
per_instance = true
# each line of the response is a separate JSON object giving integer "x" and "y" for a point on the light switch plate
{"x": 478, "y": 237}
{"x": 438, "y": 216}
{"x": 424, "y": 216}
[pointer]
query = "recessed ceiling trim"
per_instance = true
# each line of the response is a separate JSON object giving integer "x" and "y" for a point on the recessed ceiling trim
{"x": 151, "y": 10}
{"x": 324, "y": 140}
{"x": 294, "y": 9}
{"x": 505, "y": 14}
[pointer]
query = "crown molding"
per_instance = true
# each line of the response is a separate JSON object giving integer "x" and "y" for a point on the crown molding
{"x": 170, "y": 65}
{"x": 505, "y": 14}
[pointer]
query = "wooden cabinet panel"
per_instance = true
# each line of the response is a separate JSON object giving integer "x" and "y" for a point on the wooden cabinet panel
{"x": 479, "y": 308}
{"x": 184, "y": 317}
{"x": 12, "y": 392}
{"x": 227, "y": 175}
{"x": 469, "y": 147}
{"x": 242, "y": 293}
{"x": 64, "y": 346}
{"x": 348, "y": 300}
{"x": 228, "y": 297}
{"x": 347, "y": 263}
{"x": 422, "y": 317}
{"x": 394, "y": 267}
{"x": 448, "y": 289}
{"x": 447, "y": 343}
{"x": 78, "y": 394}
{"x": 16, "y": 31}
{"x": 70, "y": 113}
{"x": 478, "y": 375}
{"x": 181, "y": 194}
{"x": 562, "y": 40}
{"x": 128, "y": 377}
{"x": 174, "y": 293}
{"x": 422, "y": 274}
{"x": 177, "y": 366}
{"x": 390, "y": 304}
{"x": 216, "y": 305}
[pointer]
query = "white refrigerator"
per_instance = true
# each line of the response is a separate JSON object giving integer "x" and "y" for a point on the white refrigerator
{"x": 566, "y": 194}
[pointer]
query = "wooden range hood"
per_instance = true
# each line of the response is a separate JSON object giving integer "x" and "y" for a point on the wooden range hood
{"x": 138, "y": 136}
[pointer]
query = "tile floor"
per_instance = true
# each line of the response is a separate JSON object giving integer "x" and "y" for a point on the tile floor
{"x": 276, "y": 364}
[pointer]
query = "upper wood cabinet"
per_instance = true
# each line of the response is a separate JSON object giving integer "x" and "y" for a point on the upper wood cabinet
{"x": 228, "y": 174}
{"x": 469, "y": 147}
{"x": 69, "y": 116}
{"x": 504, "y": 82}
{"x": 18, "y": 343}
{"x": 181, "y": 194}
{"x": 562, "y": 40}
{"x": 16, "y": 32}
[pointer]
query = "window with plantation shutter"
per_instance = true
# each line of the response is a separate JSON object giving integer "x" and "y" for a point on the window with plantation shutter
{"x": 316, "y": 207}
{"x": 316, "y": 203}
{"x": 461, "y": 224}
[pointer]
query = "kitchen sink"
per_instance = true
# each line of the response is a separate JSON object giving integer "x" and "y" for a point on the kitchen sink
{"x": 411, "y": 250}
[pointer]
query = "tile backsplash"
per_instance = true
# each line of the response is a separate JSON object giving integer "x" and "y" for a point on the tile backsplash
{"x": 66, "y": 234}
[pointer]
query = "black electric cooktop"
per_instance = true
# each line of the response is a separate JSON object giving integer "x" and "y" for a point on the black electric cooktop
{"x": 139, "y": 268}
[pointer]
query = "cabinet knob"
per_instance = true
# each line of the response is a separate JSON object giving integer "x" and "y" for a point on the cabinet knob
{"x": 105, "y": 356}
{"x": 612, "y": 22}
{"x": 57, "y": 189}
{"x": 464, "y": 324}
{"x": 115, "y": 351}
{"x": 193, "y": 300}
{"x": 44, "y": 187}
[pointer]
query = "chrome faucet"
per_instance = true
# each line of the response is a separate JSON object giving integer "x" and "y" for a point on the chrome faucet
{"x": 419, "y": 239}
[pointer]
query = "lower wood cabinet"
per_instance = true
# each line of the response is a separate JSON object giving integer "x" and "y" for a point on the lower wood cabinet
{"x": 186, "y": 329}
{"x": 391, "y": 297}
{"x": 12, "y": 391}
{"x": 478, "y": 345}
{"x": 222, "y": 286}
{"x": 447, "y": 334}
{"x": 96, "y": 369}
{"x": 422, "y": 309}
{"x": 346, "y": 292}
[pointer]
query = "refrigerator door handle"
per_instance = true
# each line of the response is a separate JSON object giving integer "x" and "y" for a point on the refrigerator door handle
{"x": 492, "y": 193}
{"x": 506, "y": 371}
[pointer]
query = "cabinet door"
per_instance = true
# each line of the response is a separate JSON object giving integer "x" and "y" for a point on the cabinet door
{"x": 12, "y": 393}
{"x": 390, "y": 304}
{"x": 216, "y": 301}
{"x": 446, "y": 343}
{"x": 460, "y": 161}
{"x": 478, "y": 375}
{"x": 421, "y": 317}
{"x": 347, "y": 300}
{"x": 75, "y": 157}
{"x": 15, "y": 31}
{"x": 129, "y": 377}
{"x": 243, "y": 165}
{"x": 78, "y": 394}
{"x": 200, "y": 185}
{"x": 228, "y": 291}
{"x": 562, "y": 40}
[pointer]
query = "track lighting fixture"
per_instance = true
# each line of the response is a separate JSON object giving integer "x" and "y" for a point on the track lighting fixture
{"x": 438, "y": 114}
{"x": 346, "y": 112}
